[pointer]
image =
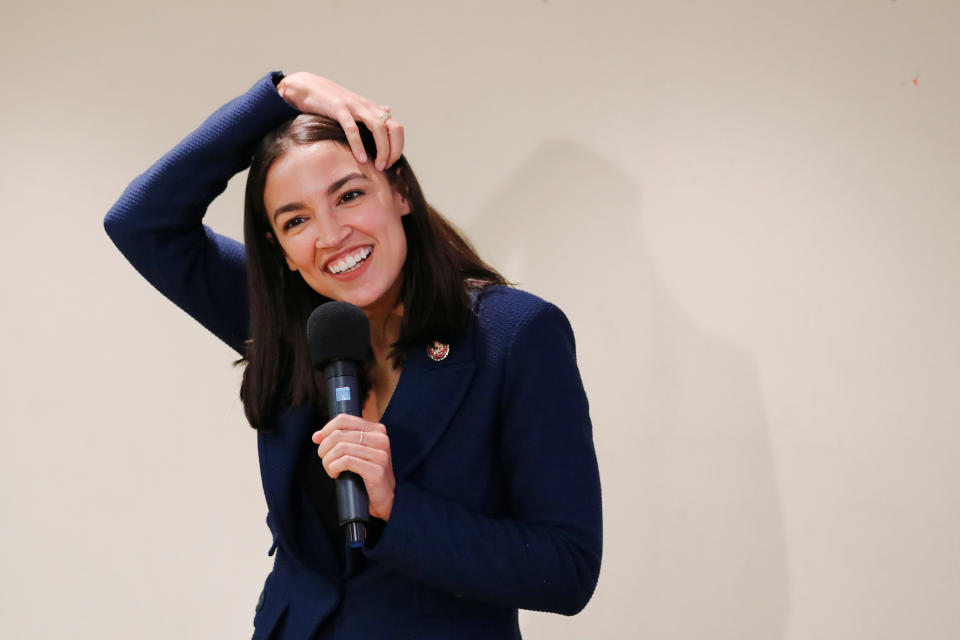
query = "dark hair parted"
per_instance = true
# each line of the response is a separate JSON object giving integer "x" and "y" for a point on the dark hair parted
{"x": 441, "y": 266}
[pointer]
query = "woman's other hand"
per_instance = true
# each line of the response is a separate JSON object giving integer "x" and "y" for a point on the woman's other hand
{"x": 312, "y": 94}
{"x": 349, "y": 443}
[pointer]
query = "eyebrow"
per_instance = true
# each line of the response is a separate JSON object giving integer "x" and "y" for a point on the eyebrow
{"x": 334, "y": 186}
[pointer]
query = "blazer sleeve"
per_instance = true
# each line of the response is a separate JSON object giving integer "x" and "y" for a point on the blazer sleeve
{"x": 546, "y": 555}
{"x": 157, "y": 222}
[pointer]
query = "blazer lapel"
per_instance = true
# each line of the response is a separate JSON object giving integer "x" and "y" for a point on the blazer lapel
{"x": 426, "y": 400}
{"x": 280, "y": 453}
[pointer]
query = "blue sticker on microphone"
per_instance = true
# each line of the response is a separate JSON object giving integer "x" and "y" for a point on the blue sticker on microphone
{"x": 343, "y": 394}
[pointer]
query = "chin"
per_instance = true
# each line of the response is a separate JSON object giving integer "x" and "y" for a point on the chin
{"x": 366, "y": 295}
{"x": 362, "y": 299}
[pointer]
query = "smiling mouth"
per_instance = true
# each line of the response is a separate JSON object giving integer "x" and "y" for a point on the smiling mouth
{"x": 351, "y": 261}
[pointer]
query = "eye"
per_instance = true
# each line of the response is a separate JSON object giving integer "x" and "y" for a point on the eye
{"x": 292, "y": 222}
{"x": 351, "y": 195}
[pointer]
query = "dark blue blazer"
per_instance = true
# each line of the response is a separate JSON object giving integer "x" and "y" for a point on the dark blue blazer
{"x": 497, "y": 502}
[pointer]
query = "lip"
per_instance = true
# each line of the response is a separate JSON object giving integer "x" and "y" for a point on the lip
{"x": 342, "y": 254}
{"x": 349, "y": 275}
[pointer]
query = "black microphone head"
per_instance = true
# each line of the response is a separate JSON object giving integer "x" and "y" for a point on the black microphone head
{"x": 338, "y": 331}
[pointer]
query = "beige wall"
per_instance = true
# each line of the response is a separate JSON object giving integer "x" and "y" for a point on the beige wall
{"x": 748, "y": 210}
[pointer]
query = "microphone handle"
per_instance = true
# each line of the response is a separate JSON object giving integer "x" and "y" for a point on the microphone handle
{"x": 343, "y": 396}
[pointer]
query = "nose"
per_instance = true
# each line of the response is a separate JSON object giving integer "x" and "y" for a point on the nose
{"x": 331, "y": 232}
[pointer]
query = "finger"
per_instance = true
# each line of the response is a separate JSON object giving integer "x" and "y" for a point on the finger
{"x": 339, "y": 422}
{"x": 345, "y": 422}
{"x": 372, "y": 440}
{"x": 371, "y": 117}
{"x": 395, "y": 133}
{"x": 367, "y": 470}
{"x": 395, "y": 130}
{"x": 360, "y": 451}
{"x": 349, "y": 125}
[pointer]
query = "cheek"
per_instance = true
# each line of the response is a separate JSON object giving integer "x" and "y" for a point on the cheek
{"x": 398, "y": 246}
{"x": 298, "y": 250}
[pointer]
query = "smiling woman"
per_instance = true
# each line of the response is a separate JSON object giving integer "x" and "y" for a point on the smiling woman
{"x": 475, "y": 443}
{"x": 311, "y": 207}
{"x": 346, "y": 240}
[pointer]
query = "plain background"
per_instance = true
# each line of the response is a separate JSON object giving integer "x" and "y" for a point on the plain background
{"x": 748, "y": 210}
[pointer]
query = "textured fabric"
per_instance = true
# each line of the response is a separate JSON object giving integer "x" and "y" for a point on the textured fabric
{"x": 497, "y": 501}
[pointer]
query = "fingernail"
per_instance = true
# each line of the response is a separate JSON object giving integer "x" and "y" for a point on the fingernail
{"x": 363, "y": 157}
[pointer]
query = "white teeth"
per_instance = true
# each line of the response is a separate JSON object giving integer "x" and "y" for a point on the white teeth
{"x": 349, "y": 262}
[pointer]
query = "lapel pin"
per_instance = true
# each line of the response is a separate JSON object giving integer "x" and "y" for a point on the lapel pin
{"x": 438, "y": 351}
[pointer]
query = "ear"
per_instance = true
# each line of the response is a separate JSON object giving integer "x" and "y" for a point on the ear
{"x": 273, "y": 241}
{"x": 400, "y": 191}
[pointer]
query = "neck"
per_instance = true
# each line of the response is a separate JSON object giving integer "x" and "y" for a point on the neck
{"x": 384, "y": 331}
{"x": 385, "y": 319}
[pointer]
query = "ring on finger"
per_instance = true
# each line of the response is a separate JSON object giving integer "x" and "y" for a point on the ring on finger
{"x": 385, "y": 115}
{"x": 361, "y": 436}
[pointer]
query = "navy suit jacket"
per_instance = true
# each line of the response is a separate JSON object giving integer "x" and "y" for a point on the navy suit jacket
{"x": 497, "y": 503}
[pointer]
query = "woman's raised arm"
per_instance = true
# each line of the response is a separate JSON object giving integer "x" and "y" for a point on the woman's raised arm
{"x": 158, "y": 221}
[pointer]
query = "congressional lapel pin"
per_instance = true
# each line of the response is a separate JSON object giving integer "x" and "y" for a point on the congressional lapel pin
{"x": 438, "y": 351}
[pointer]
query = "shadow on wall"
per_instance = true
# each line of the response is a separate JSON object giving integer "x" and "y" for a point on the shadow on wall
{"x": 693, "y": 544}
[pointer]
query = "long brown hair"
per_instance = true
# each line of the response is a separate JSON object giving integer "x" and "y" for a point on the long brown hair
{"x": 440, "y": 267}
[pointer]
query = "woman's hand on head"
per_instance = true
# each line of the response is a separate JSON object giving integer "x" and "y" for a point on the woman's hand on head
{"x": 341, "y": 448}
{"x": 312, "y": 94}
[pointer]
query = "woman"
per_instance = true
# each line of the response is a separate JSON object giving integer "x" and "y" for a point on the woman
{"x": 475, "y": 443}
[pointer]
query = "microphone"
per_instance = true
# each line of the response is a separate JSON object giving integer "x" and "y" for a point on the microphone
{"x": 339, "y": 337}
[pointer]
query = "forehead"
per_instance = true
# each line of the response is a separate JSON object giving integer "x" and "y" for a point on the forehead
{"x": 309, "y": 169}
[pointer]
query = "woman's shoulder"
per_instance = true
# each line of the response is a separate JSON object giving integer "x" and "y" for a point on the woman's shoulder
{"x": 512, "y": 325}
{"x": 503, "y": 301}
{"x": 505, "y": 310}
